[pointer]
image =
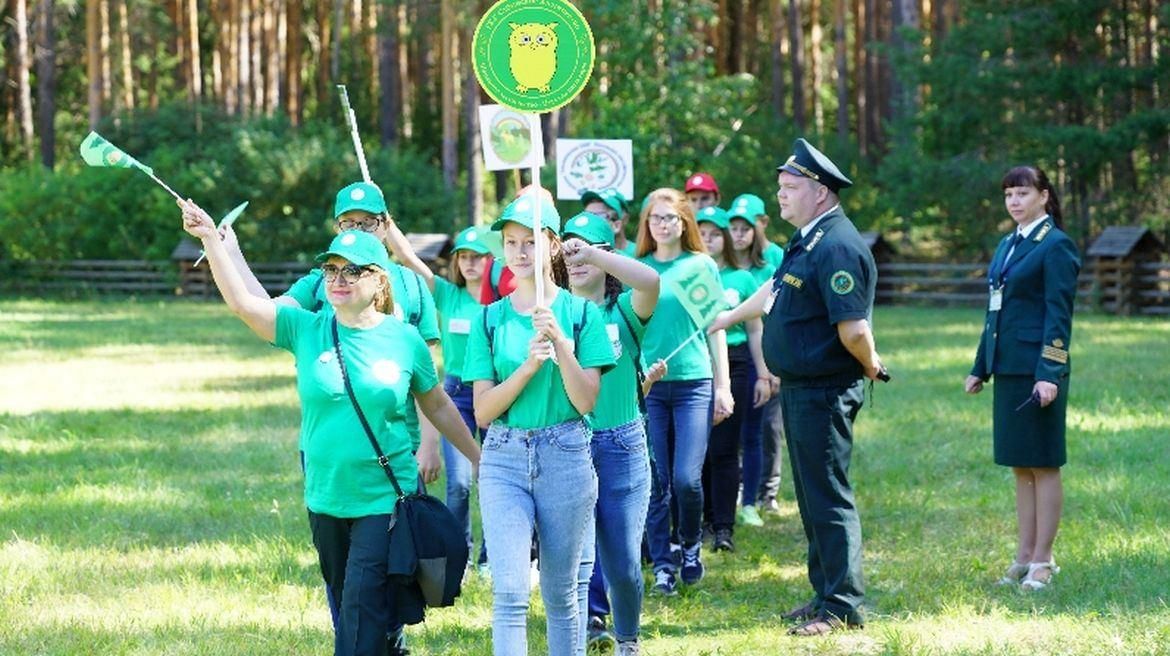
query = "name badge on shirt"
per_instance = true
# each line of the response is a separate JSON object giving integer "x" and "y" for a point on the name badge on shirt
{"x": 996, "y": 300}
{"x": 615, "y": 339}
{"x": 459, "y": 326}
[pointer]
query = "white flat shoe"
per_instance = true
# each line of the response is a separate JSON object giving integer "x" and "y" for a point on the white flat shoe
{"x": 1014, "y": 574}
{"x": 1031, "y": 583}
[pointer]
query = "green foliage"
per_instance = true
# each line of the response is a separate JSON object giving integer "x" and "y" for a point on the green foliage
{"x": 289, "y": 177}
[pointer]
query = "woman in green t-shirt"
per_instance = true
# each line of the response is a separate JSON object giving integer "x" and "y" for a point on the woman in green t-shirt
{"x": 597, "y": 272}
{"x": 389, "y": 366}
{"x": 536, "y": 370}
{"x": 457, "y": 300}
{"x": 744, "y": 355}
{"x": 679, "y": 408}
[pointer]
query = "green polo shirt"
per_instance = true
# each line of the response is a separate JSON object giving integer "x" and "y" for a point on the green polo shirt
{"x": 543, "y": 401}
{"x": 385, "y": 364}
{"x": 738, "y": 286}
{"x": 671, "y": 325}
{"x": 458, "y": 309}
{"x": 617, "y": 404}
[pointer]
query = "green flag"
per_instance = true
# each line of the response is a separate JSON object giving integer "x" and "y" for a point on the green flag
{"x": 700, "y": 292}
{"x": 96, "y": 151}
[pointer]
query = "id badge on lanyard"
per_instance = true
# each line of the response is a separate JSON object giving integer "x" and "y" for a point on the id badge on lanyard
{"x": 995, "y": 301}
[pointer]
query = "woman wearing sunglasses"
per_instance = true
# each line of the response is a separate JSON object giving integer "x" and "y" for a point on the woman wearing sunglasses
{"x": 389, "y": 367}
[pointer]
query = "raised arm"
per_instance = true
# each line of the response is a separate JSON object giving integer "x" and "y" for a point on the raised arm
{"x": 400, "y": 246}
{"x": 258, "y": 313}
{"x": 232, "y": 244}
{"x": 639, "y": 277}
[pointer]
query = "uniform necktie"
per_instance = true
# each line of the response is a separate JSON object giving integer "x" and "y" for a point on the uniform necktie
{"x": 1016, "y": 239}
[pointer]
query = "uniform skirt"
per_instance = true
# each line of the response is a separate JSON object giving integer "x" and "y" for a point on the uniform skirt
{"x": 1028, "y": 436}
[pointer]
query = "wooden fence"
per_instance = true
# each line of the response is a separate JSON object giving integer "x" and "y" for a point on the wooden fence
{"x": 1110, "y": 286}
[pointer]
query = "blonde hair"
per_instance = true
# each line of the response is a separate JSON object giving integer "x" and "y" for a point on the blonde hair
{"x": 677, "y": 200}
{"x": 384, "y": 297}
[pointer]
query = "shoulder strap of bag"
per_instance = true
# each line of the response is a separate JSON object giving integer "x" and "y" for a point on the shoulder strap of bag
{"x": 382, "y": 459}
{"x": 638, "y": 373}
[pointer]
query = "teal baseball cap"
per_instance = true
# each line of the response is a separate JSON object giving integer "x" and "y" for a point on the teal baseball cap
{"x": 364, "y": 196}
{"x": 359, "y": 247}
{"x": 589, "y": 227}
{"x": 746, "y": 207}
{"x": 522, "y": 211}
{"x": 715, "y": 215}
{"x": 610, "y": 196}
{"x": 472, "y": 239}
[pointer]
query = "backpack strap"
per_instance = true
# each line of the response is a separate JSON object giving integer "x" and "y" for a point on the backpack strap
{"x": 639, "y": 374}
{"x": 317, "y": 302}
{"x": 491, "y": 320}
{"x": 416, "y": 313}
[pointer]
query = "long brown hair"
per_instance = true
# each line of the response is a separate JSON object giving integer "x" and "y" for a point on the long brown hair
{"x": 754, "y": 258}
{"x": 560, "y": 270}
{"x": 1033, "y": 176}
{"x": 679, "y": 205}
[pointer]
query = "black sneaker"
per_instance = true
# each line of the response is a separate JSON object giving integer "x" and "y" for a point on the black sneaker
{"x": 676, "y": 556}
{"x": 396, "y": 644}
{"x": 664, "y": 583}
{"x": 723, "y": 541}
{"x": 597, "y": 639}
{"x": 692, "y": 568}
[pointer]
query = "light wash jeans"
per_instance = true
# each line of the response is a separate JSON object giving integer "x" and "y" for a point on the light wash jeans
{"x": 623, "y": 493}
{"x": 679, "y": 421}
{"x": 540, "y": 478}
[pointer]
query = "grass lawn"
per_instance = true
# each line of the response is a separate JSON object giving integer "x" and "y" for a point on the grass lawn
{"x": 150, "y": 503}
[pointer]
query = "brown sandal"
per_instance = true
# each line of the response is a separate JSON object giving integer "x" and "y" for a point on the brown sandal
{"x": 822, "y": 626}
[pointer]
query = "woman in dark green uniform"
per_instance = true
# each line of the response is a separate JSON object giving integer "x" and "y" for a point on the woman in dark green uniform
{"x": 1032, "y": 282}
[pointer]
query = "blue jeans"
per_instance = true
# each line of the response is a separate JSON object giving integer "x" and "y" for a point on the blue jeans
{"x": 353, "y": 558}
{"x": 623, "y": 493}
{"x": 750, "y": 437}
{"x": 458, "y": 466}
{"x": 679, "y": 419}
{"x": 540, "y": 478}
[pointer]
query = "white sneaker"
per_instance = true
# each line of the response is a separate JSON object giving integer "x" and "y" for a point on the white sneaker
{"x": 534, "y": 576}
{"x": 629, "y": 648}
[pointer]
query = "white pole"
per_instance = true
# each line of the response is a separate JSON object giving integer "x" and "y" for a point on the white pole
{"x": 538, "y": 236}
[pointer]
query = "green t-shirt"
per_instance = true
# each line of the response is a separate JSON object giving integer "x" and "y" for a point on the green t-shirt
{"x": 413, "y": 304}
{"x": 773, "y": 254}
{"x": 617, "y": 404}
{"x": 385, "y": 364}
{"x": 738, "y": 286}
{"x": 544, "y": 401}
{"x": 458, "y": 309}
{"x": 671, "y": 325}
{"x": 762, "y": 273}
{"x": 630, "y": 248}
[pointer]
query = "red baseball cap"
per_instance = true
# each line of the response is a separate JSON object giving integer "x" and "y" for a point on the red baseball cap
{"x": 701, "y": 182}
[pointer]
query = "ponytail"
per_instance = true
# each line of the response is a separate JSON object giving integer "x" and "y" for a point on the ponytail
{"x": 384, "y": 297}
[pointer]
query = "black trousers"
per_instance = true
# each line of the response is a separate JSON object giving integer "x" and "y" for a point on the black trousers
{"x": 353, "y": 557}
{"x": 721, "y": 470}
{"x": 818, "y": 423}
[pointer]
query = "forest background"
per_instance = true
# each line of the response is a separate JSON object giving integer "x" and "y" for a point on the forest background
{"x": 924, "y": 103}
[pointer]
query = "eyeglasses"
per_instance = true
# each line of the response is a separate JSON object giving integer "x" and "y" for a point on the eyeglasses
{"x": 367, "y": 224}
{"x": 663, "y": 219}
{"x": 351, "y": 273}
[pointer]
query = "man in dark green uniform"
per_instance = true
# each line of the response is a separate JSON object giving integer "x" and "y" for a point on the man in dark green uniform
{"x": 817, "y": 339}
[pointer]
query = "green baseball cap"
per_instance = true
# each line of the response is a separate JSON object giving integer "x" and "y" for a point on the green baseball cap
{"x": 359, "y": 247}
{"x": 522, "y": 211}
{"x": 746, "y": 207}
{"x": 590, "y": 227}
{"x": 364, "y": 196}
{"x": 715, "y": 215}
{"x": 472, "y": 239}
{"x": 610, "y": 196}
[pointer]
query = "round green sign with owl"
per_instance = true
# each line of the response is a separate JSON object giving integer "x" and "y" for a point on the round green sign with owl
{"x": 533, "y": 55}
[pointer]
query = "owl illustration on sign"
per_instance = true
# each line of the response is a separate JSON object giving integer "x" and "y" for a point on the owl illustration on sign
{"x": 533, "y": 59}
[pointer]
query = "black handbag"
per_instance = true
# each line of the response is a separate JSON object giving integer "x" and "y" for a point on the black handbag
{"x": 428, "y": 548}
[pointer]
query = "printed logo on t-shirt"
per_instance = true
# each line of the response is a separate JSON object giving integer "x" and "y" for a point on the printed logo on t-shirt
{"x": 615, "y": 339}
{"x": 731, "y": 296}
{"x": 459, "y": 326}
{"x": 326, "y": 357}
{"x": 387, "y": 371}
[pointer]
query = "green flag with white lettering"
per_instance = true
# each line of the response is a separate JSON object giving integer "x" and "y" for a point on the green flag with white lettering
{"x": 700, "y": 292}
{"x": 96, "y": 151}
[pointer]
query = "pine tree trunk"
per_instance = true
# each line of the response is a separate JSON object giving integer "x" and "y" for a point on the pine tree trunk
{"x": 841, "y": 50}
{"x": 196, "y": 66}
{"x": 23, "y": 82}
{"x": 295, "y": 96}
{"x": 860, "y": 76}
{"x": 335, "y": 58}
{"x": 796, "y": 55}
{"x": 107, "y": 73}
{"x": 325, "y": 38}
{"x": 776, "y": 16}
{"x": 816, "y": 37}
{"x": 257, "y": 52}
{"x": 389, "y": 101}
{"x": 903, "y": 96}
{"x": 872, "y": 78}
{"x": 93, "y": 64}
{"x": 127, "y": 55}
{"x": 272, "y": 43}
{"x": 447, "y": 54}
{"x": 471, "y": 122}
{"x": 46, "y": 58}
